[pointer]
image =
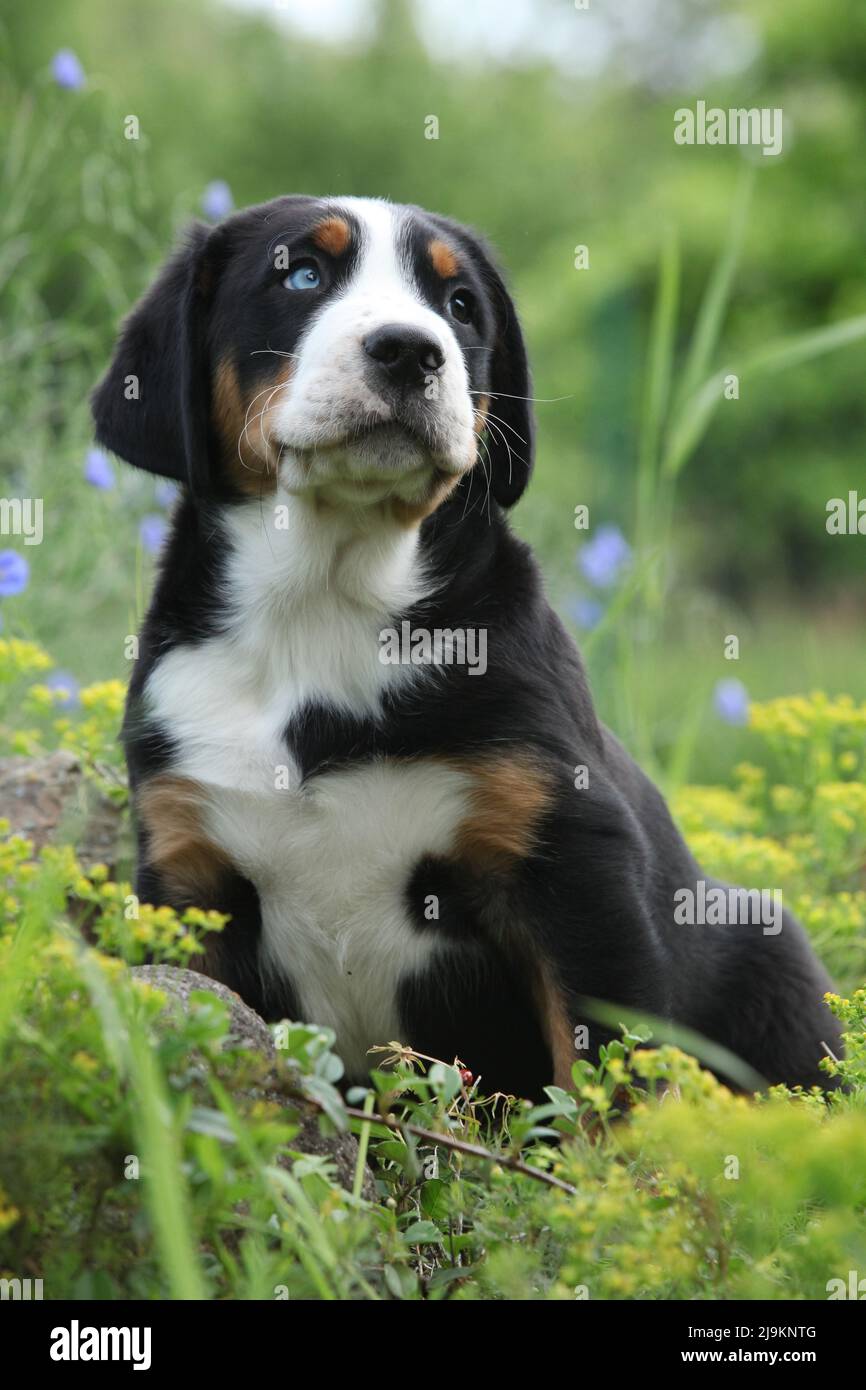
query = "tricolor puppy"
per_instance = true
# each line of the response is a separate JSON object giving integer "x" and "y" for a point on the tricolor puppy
{"x": 341, "y": 388}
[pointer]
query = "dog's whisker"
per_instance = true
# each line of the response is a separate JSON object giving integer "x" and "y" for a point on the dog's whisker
{"x": 508, "y": 450}
{"x": 536, "y": 400}
{"x": 275, "y": 352}
{"x": 489, "y": 415}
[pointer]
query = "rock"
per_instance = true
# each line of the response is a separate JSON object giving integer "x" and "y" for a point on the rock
{"x": 248, "y": 1029}
{"x": 48, "y": 798}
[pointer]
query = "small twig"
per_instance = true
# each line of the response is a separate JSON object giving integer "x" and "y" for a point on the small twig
{"x": 448, "y": 1141}
{"x": 433, "y": 1136}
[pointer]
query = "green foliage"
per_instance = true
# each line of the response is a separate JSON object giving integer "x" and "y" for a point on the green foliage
{"x": 798, "y": 820}
{"x": 217, "y": 1208}
{"x": 138, "y": 1160}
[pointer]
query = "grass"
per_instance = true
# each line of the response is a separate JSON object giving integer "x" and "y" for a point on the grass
{"x": 139, "y": 1161}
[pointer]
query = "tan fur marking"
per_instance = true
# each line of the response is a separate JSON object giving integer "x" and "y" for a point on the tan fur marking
{"x": 333, "y": 235}
{"x": 244, "y": 426}
{"x": 509, "y": 798}
{"x": 443, "y": 259}
{"x": 479, "y": 427}
{"x": 170, "y": 808}
{"x": 557, "y": 1029}
{"x": 411, "y": 514}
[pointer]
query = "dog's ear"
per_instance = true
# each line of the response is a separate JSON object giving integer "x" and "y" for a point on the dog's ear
{"x": 511, "y": 437}
{"x": 152, "y": 407}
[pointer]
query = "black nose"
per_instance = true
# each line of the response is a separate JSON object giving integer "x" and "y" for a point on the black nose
{"x": 407, "y": 354}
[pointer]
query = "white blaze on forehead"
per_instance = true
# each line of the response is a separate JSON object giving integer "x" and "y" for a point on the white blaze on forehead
{"x": 383, "y": 266}
{"x": 333, "y": 390}
{"x": 381, "y": 288}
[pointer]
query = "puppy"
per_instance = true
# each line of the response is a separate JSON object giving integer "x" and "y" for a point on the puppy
{"x": 316, "y": 746}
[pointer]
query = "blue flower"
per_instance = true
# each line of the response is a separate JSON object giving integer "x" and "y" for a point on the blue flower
{"x": 603, "y": 559}
{"x": 14, "y": 573}
{"x": 63, "y": 681}
{"x": 585, "y": 613}
{"x": 153, "y": 531}
{"x": 165, "y": 493}
{"x": 67, "y": 70}
{"x": 731, "y": 701}
{"x": 98, "y": 471}
{"x": 217, "y": 200}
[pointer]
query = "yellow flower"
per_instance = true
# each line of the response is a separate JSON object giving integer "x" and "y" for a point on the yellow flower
{"x": 105, "y": 696}
{"x": 9, "y": 1214}
{"x": 712, "y": 808}
{"x": 787, "y": 800}
{"x": 19, "y": 658}
{"x": 83, "y": 1061}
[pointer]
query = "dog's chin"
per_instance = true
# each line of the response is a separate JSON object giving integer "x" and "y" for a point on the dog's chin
{"x": 382, "y": 463}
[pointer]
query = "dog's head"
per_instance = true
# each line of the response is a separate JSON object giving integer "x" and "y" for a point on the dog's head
{"x": 348, "y": 347}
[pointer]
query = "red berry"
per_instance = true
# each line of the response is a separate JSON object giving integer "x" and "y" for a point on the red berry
{"x": 466, "y": 1076}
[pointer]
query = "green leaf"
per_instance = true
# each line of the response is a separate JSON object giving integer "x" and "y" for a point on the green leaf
{"x": 442, "y": 1277}
{"x": 445, "y": 1079}
{"x": 658, "y": 375}
{"x": 717, "y": 295}
{"x": 776, "y": 357}
{"x": 202, "y": 1120}
{"x": 710, "y": 1054}
{"x": 436, "y": 1199}
{"x": 392, "y": 1279}
{"x": 325, "y": 1095}
{"x": 422, "y": 1233}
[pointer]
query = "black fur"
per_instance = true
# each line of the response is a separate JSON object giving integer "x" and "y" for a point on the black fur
{"x": 595, "y": 898}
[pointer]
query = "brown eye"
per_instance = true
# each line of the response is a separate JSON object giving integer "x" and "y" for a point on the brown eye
{"x": 461, "y": 306}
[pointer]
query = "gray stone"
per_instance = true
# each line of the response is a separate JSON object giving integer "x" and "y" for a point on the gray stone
{"x": 48, "y": 798}
{"x": 248, "y": 1029}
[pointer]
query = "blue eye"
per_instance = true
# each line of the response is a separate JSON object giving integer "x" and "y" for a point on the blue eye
{"x": 305, "y": 276}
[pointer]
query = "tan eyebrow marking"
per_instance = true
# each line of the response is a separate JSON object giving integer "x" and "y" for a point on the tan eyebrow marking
{"x": 443, "y": 259}
{"x": 333, "y": 235}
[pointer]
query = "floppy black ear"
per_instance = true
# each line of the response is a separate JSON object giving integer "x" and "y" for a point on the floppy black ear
{"x": 511, "y": 441}
{"x": 152, "y": 405}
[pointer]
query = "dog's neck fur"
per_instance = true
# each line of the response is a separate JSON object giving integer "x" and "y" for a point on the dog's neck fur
{"x": 307, "y": 589}
{"x": 293, "y": 549}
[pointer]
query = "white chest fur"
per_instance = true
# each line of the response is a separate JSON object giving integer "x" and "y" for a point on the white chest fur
{"x": 331, "y": 863}
{"x": 330, "y": 859}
